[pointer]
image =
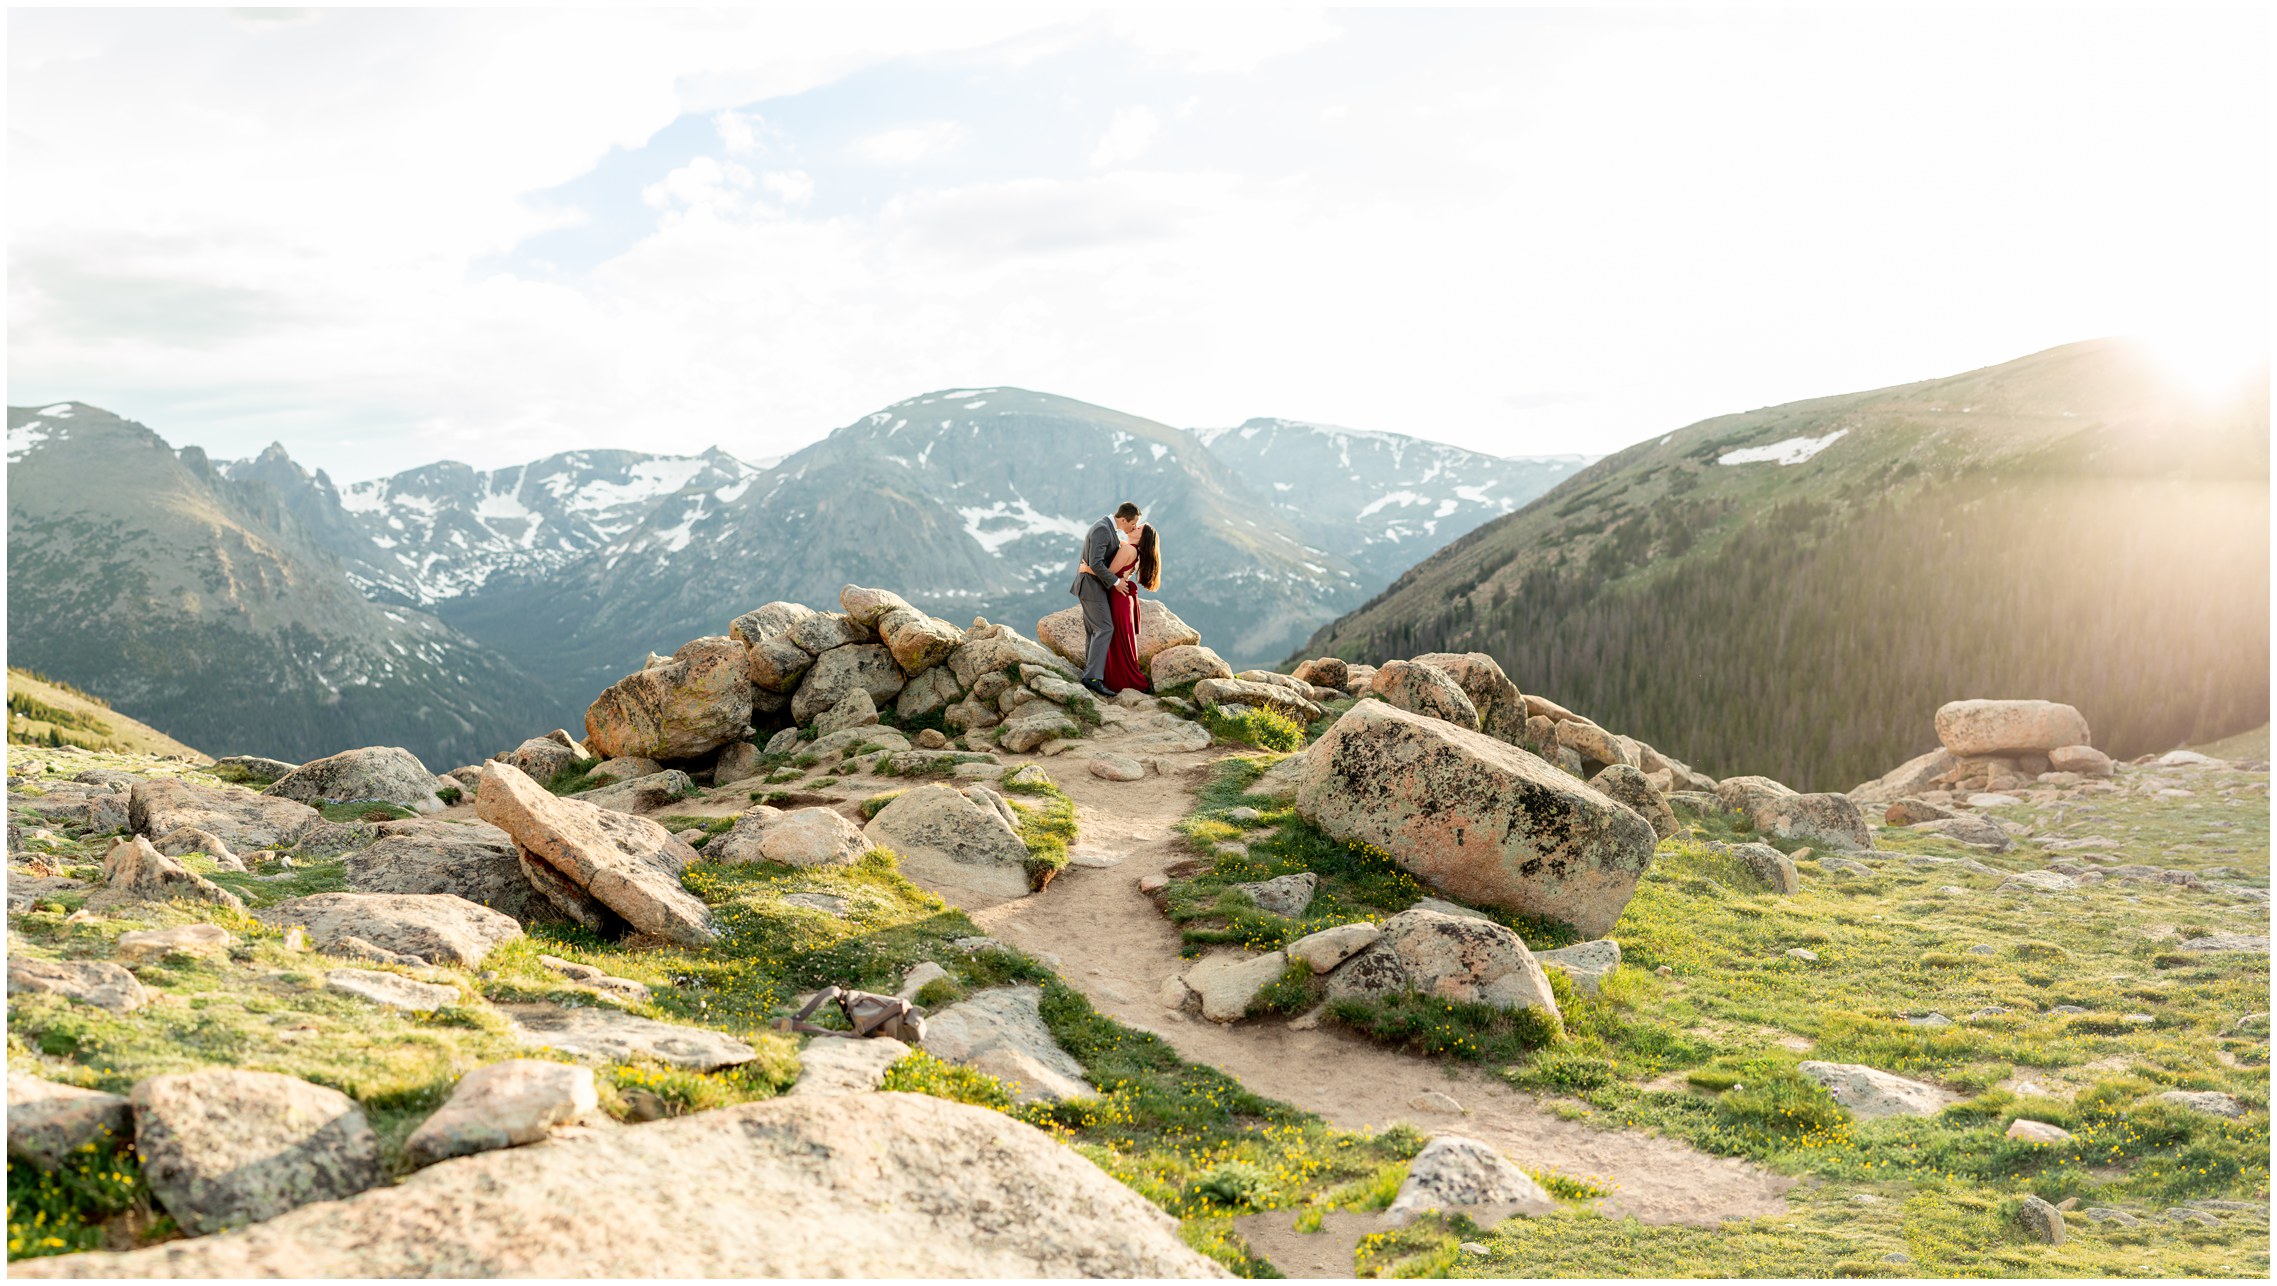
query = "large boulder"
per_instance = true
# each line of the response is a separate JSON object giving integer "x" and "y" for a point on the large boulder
{"x": 1001, "y": 1031}
{"x": 439, "y": 928}
{"x": 838, "y": 672}
{"x": 1473, "y": 817}
{"x": 866, "y": 607}
{"x": 1595, "y": 745}
{"x": 1625, "y": 785}
{"x": 133, "y": 871}
{"x": 1422, "y": 688}
{"x": 768, "y": 621}
{"x": 819, "y": 632}
{"x": 990, "y": 649}
{"x": 238, "y": 817}
{"x": 2087, "y": 761}
{"x": 47, "y": 1122}
{"x": 1287, "y": 702}
{"x": 628, "y": 864}
{"x": 927, "y": 692}
{"x": 1448, "y": 957}
{"x": 854, "y": 710}
{"x": 1775, "y": 809}
{"x": 474, "y": 860}
{"x": 546, "y": 757}
{"x": 642, "y": 794}
{"x": 1228, "y": 983}
{"x": 954, "y": 842}
{"x": 698, "y": 701}
{"x": 1033, "y": 724}
{"x": 1981, "y": 727}
{"x": 223, "y": 1147}
{"x": 385, "y": 773}
{"x": 1189, "y": 663}
{"x": 1324, "y": 672}
{"x": 918, "y": 642}
{"x": 803, "y": 837}
{"x": 1159, "y": 630}
{"x": 825, "y": 1185}
{"x": 1501, "y": 708}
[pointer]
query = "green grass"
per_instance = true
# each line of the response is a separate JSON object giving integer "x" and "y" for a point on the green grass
{"x": 1047, "y": 826}
{"x": 369, "y": 810}
{"x": 1258, "y": 727}
{"x": 69, "y": 1208}
{"x": 577, "y": 777}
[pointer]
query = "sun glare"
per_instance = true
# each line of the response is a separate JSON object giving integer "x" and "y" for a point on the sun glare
{"x": 2213, "y": 363}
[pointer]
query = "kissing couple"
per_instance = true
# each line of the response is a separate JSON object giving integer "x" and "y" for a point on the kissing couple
{"x": 1121, "y": 556}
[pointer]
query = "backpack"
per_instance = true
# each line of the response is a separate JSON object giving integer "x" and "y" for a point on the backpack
{"x": 869, "y": 1013}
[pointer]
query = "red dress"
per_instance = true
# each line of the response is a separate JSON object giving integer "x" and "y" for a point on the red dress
{"x": 1122, "y": 650}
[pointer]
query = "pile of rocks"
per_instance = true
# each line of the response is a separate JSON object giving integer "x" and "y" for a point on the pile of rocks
{"x": 1993, "y": 746}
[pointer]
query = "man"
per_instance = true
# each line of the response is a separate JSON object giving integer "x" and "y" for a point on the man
{"x": 1092, "y": 587}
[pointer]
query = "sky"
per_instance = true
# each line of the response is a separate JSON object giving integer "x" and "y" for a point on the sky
{"x": 389, "y": 236}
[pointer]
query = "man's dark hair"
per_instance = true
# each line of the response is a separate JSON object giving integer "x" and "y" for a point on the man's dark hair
{"x": 1127, "y": 511}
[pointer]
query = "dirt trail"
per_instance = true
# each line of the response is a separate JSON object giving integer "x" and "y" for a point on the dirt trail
{"x": 1113, "y": 945}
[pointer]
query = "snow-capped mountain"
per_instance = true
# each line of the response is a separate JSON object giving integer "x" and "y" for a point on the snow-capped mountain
{"x": 965, "y": 501}
{"x": 443, "y": 530}
{"x": 1384, "y": 500}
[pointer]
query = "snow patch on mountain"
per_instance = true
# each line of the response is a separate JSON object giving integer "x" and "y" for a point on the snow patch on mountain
{"x": 1785, "y": 452}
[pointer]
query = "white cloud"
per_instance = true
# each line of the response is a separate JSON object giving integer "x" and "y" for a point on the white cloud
{"x": 910, "y": 143}
{"x": 738, "y": 132}
{"x": 705, "y": 182}
{"x": 791, "y": 187}
{"x": 1129, "y": 134}
{"x": 1222, "y": 38}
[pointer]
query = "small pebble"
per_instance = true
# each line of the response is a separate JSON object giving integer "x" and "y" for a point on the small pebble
{"x": 1665, "y": 971}
{"x": 1804, "y": 954}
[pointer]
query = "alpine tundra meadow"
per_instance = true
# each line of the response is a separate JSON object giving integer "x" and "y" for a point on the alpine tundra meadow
{"x": 900, "y": 641}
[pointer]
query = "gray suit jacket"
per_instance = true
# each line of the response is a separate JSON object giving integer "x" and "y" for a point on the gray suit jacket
{"x": 1099, "y": 551}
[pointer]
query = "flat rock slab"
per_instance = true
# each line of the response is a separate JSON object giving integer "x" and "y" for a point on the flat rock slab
{"x": 439, "y": 928}
{"x": 2227, "y": 942}
{"x": 187, "y": 939}
{"x": 2209, "y": 1102}
{"x": 503, "y": 1105}
{"x": 239, "y": 818}
{"x": 1001, "y": 1032}
{"x": 1981, "y": 727}
{"x": 1229, "y": 984}
{"x": 839, "y": 1065}
{"x": 1329, "y": 948}
{"x": 90, "y": 982}
{"x": 629, "y": 864}
{"x": 848, "y": 1185}
{"x": 390, "y": 989}
{"x": 614, "y": 1036}
{"x": 47, "y": 1122}
{"x": 1868, "y": 1093}
{"x": 223, "y": 1147}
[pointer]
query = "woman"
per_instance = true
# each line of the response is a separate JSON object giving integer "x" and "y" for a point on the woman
{"x": 1137, "y": 565}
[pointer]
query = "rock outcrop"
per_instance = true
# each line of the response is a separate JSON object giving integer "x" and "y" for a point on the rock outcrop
{"x": 847, "y": 1185}
{"x": 955, "y": 840}
{"x": 1474, "y": 817}
{"x": 1421, "y": 688}
{"x": 133, "y": 871}
{"x": 439, "y": 928}
{"x": 1001, "y": 1031}
{"x": 238, "y": 817}
{"x": 1778, "y": 810}
{"x": 476, "y": 861}
{"x": 501, "y": 1106}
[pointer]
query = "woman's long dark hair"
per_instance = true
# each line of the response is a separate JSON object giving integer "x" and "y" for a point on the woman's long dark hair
{"x": 1149, "y": 558}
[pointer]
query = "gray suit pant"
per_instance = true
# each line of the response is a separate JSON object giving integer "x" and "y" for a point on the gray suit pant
{"x": 1098, "y": 631}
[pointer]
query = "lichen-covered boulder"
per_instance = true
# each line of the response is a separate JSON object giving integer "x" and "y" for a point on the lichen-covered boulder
{"x": 802, "y": 837}
{"x": 839, "y": 671}
{"x": 1625, "y": 785}
{"x": 1474, "y": 817}
{"x": 439, "y": 928}
{"x": 1501, "y": 708}
{"x": 224, "y": 1147}
{"x": 388, "y": 773}
{"x": 134, "y": 871}
{"x": 698, "y": 701}
{"x": 1422, "y": 688}
{"x": 872, "y": 1185}
{"x": 1324, "y": 672}
{"x": 952, "y": 840}
{"x": 990, "y": 649}
{"x": 1909, "y": 778}
{"x": 1188, "y": 663}
{"x": 474, "y": 860}
{"x": 1775, "y": 809}
{"x": 1449, "y": 957}
{"x": 865, "y": 607}
{"x": 918, "y": 642}
{"x": 1981, "y": 727}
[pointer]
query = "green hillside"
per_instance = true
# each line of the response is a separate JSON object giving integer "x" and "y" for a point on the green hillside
{"x": 2067, "y": 526}
{"x": 44, "y": 712}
